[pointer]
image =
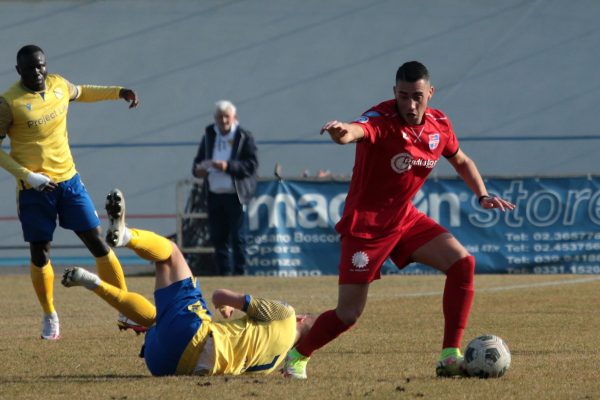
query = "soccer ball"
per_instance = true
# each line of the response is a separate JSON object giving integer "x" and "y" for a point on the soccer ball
{"x": 487, "y": 356}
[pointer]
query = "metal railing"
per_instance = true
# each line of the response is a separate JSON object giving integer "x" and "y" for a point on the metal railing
{"x": 191, "y": 217}
{"x": 192, "y": 235}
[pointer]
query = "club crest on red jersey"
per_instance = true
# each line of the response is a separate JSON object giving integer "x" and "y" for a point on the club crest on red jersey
{"x": 434, "y": 141}
{"x": 360, "y": 259}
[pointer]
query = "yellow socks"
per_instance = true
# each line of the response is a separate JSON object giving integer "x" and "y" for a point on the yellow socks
{"x": 133, "y": 305}
{"x": 43, "y": 284}
{"x": 110, "y": 270}
{"x": 150, "y": 246}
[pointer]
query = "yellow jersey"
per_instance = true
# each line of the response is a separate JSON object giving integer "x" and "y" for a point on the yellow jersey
{"x": 256, "y": 343}
{"x": 36, "y": 123}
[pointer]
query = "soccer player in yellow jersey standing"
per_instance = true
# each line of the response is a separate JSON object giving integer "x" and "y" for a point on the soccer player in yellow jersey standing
{"x": 183, "y": 339}
{"x": 33, "y": 114}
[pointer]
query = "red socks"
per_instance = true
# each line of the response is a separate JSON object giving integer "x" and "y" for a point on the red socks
{"x": 326, "y": 328}
{"x": 457, "y": 300}
{"x": 458, "y": 297}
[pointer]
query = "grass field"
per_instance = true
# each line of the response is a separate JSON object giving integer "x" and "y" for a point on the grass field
{"x": 551, "y": 323}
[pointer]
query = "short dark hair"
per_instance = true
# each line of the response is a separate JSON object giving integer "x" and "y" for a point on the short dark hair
{"x": 412, "y": 71}
{"x": 27, "y": 50}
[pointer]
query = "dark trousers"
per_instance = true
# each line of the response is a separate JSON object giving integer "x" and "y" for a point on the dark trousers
{"x": 227, "y": 232}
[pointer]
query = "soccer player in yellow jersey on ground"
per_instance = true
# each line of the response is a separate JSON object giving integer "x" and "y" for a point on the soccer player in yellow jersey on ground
{"x": 182, "y": 338}
{"x": 33, "y": 114}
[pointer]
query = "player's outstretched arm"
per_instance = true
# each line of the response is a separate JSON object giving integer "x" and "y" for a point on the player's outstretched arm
{"x": 343, "y": 133}
{"x": 226, "y": 301}
{"x": 468, "y": 171}
{"x": 93, "y": 93}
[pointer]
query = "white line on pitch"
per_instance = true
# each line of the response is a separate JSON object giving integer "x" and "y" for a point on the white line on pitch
{"x": 502, "y": 288}
{"x": 540, "y": 284}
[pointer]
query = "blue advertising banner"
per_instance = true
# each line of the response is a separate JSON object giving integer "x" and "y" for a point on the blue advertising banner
{"x": 555, "y": 228}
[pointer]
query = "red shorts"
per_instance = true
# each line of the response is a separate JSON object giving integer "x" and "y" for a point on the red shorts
{"x": 361, "y": 259}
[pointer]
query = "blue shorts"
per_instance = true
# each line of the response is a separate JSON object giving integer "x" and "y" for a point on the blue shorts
{"x": 176, "y": 325}
{"x": 70, "y": 202}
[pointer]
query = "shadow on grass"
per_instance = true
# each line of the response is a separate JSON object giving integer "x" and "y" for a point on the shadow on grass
{"x": 75, "y": 378}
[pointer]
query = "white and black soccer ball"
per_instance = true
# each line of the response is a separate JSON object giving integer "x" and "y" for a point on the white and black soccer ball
{"x": 487, "y": 356}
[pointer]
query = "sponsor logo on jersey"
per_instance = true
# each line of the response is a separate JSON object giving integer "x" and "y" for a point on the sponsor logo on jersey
{"x": 363, "y": 119}
{"x": 404, "y": 162}
{"x": 401, "y": 163}
{"x": 47, "y": 118}
{"x": 360, "y": 259}
{"x": 372, "y": 114}
{"x": 434, "y": 141}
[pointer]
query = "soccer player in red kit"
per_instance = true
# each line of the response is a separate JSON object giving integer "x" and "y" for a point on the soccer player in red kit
{"x": 398, "y": 142}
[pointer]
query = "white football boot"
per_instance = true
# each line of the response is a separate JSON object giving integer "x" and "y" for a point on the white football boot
{"x": 80, "y": 277}
{"x": 50, "y": 327}
{"x": 117, "y": 235}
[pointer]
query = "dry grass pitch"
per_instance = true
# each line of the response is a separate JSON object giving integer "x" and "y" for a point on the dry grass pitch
{"x": 551, "y": 323}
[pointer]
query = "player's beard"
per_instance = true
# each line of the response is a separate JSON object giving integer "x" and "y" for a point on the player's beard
{"x": 412, "y": 118}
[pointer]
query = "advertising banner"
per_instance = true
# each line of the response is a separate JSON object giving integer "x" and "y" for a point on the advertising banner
{"x": 555, "y": 228}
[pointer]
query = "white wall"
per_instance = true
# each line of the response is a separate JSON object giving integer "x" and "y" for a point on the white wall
{"x": 502, "y": 69}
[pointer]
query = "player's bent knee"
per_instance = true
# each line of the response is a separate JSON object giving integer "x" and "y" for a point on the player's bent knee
{"x": 463, "y": 270}
{"x": 469, "y": 265}
{"x": 175, "y": 252}
{"x": 348, "y": 317}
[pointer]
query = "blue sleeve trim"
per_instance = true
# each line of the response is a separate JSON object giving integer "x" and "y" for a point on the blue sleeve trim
{"x": 247, "y": 299}
{"x": 263, "y": 367}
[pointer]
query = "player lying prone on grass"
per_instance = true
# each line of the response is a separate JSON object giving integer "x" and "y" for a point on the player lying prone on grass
{"x": 182, "y": 338}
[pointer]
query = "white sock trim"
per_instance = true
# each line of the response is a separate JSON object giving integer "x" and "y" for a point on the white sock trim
{"x": 126, "y": 236}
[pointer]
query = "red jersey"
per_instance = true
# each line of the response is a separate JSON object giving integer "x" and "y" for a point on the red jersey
{"x": 392, "y": 161}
